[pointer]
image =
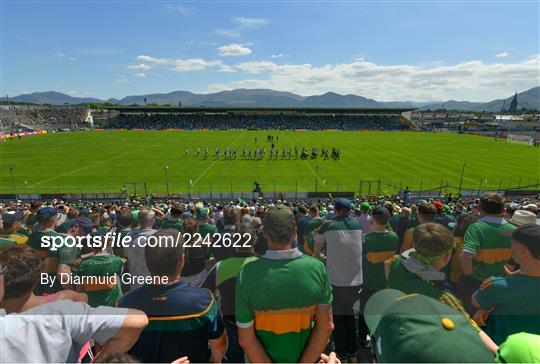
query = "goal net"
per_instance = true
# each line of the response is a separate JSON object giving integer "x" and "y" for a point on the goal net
{"x": 520, "y": 139}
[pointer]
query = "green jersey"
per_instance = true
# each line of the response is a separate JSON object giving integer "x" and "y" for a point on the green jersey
{"x": 278, "y": 294}
{"x": 409, "y": 282}
{"x": 104, "y": 291}
{"x": 52, "y": 258}
{"x": 378, "y": 248}
{"x": 172, "y": 224}
{"x": 491, "y": 250}
{"x": 309, "y": 234}
{"x": 513, "y": 305}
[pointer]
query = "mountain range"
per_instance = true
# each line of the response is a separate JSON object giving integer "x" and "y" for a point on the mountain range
{"x": 529, "y": 99}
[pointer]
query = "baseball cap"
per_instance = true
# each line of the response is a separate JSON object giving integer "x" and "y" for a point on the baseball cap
{"x": 202, "y": 213}
{"x": 365, "y": 206}
{"x": 520, "y": 348}
{"x": 46, "y": 212}
{"x": 279, "y": 219}
{"x": 438, "y": 205}
{"x": 9, "y": 218}
{"x": 342, "y": 204}
{"x": 84, "y": 222}
{"x": 529, "y": 235}
{"x": 417, "y": 328}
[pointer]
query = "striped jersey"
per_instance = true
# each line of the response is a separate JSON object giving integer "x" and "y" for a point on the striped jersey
{"x": 378, "y": 248}
{"x": 491, "y": 250}
{"x": 278, "y": 294}
{"x": 105, "y": 292}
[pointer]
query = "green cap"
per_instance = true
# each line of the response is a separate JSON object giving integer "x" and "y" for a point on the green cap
{"x": 417, "y": 328}
{"x": 202, "y": 213}
{"x": 365, "y": 206}
{"x": 520, "y": 348}
{"x": 279, "y": 223}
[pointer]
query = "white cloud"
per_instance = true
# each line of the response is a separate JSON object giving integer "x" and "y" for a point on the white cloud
{"x": 249, "y": 23}
{"x": 183, "y": 10}
{"x": 234, "y": 49}
{"x": 256, "y": 67}
{"x": 501, "y": 55}
{"x": 469, "y": 80}
{"x": 280, "y": 55}
{"x": 228, "y": 33}
{"x": 71, "y": 59}
{"x": 139, "y": 67}
{"x": 140, "y": 75}
{"x": 182, "y": 65}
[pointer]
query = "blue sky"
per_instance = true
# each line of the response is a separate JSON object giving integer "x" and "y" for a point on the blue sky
{"x": 419, "y": 51}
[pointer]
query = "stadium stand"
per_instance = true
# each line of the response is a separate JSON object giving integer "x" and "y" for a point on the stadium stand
{"x": 27, "y": 118}
{"x": 285, "y": 119}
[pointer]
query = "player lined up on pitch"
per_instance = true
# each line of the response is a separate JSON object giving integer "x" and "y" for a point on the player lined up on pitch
{"x": 273, "y": 153}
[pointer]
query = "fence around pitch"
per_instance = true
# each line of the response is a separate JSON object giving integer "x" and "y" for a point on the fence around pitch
{"x": 299, "y": 190}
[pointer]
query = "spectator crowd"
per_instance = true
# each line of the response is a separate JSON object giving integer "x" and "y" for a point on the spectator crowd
{"x": 337, "y": 280}
{"x": 226, "y": 121}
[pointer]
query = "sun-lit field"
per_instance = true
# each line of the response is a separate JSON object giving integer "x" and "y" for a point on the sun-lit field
{"x": 102, "y": 161}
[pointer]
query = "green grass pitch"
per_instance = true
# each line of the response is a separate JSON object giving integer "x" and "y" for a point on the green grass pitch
{"x": 102, "y": 161}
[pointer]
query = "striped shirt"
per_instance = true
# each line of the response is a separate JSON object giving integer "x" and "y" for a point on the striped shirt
{"x": 491, "y": 250}
{"x": 278, "y": 294}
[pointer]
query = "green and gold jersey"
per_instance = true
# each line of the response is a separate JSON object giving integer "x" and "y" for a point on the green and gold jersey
{"x": 278, "y": 294}
{"x": 491, "y": 250}
{"x": 19, "y": 238}
{"x": 64, "y": 254}
{"x": 5, "y": 242}
{"x": 378, "y": 248}
{"x": 309, "y": 234}
{"x": 172, "y": 224}
{"x": 104, "y": 291}
{"x": 402, "y": 279}
{"x": 23, "y": 230}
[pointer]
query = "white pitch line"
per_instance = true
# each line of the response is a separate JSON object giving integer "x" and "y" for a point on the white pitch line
{"x": 213, "y": 163}
{"x": 93, "y": 164}
{"x": 83, "y": 168}
{"x": 305, "y": 160}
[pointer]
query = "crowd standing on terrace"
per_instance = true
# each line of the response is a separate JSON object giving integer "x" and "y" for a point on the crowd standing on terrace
{"x": 334, "y": 280}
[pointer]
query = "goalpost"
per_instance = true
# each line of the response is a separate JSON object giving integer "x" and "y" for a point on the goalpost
{"x": 136, "y": 186}
{"x": 520, "y": 139}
